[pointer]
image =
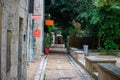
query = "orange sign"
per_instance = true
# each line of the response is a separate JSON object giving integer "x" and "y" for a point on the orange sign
{"x": 49, "y": 22}
{"x": 36, "y": 17}
{"x": 36, "y": 33}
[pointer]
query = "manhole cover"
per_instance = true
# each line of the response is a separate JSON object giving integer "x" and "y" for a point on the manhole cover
{"x": 65, "y": 78}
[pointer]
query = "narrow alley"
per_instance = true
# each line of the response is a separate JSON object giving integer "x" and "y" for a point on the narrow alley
{"x": 60, "y": 66}
{"x": 59, "y": 39}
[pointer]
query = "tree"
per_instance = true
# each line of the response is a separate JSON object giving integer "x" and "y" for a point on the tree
{"x": 108, "y": 21}
{"x": 100, "y": 17}
{"x": 65, "y": 11}
{"x": 104, "y": 18}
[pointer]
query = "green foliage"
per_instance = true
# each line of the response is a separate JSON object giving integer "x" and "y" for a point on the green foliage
{"x": 44, "y": 77}
{"x": 110, "y": 44}
{"x": 115, "y": 8}
{"x": 104, "y": 21}
{"x": 100, "y": 49}
{"x": 65, "y": 11}
{"x": 48, "y": 40}
{"x": 100, "y": 17}
{"x": 48, "y": 28}
{"x": 102, "y": 3}
{"x": 114, "y": 53}
{"x": 108, "y": 22}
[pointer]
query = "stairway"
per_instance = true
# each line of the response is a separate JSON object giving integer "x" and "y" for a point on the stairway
{"x": 58, "y": 48}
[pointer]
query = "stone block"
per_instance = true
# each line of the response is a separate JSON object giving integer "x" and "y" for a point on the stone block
{"x": 108, "y": 72}
{"x": 91, "y": 63}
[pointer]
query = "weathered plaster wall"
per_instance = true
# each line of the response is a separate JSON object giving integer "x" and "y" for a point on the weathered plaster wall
{"x": 10, "y": 22}
{"x": 12, "y": 11}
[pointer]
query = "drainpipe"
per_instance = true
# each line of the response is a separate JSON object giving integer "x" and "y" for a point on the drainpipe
{"x": 27, "y": 34}
{"x": 32, "y": 39}
{"x": 43, "y": 27}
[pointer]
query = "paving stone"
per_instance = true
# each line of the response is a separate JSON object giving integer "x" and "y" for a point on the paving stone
{"x": 52, "y": 74}
{"x": 58, "y": 68}
{"x": 32, "y": 68}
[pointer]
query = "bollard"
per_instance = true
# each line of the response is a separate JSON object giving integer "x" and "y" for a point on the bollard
{"x": 85, "y": 49}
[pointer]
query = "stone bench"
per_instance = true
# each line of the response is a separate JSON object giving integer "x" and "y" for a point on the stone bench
{"x": 76, "y": 53}
{"x": 91, "y": 63}
{"x": 108, "y": 72}
{"x": 72, "y": 50}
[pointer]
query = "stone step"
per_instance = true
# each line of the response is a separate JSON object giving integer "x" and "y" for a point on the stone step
{"x": 58, "y": 46}
{"x": 58, "y": 50}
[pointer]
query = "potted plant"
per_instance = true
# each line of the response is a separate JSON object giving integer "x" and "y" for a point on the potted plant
{"x": 47, "y": 43}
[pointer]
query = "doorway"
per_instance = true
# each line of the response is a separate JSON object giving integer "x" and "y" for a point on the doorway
{"x": 20, "y": 50}
{"x": 8, "y": 54}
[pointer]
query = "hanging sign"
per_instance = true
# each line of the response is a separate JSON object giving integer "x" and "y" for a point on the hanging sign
{"x": 36, "y": 17}
{"x": 49, "y": 22}
{"x": 36, "y": 33}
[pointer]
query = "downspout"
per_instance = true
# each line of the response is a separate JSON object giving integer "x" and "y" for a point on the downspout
{"x": 43, "y": 27}
{"x": 27, "y": 38}
{"x": 33, "y": 39}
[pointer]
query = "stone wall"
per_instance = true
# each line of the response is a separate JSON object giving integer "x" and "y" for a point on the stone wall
{"x": 13, "y": 10}
{"x": 10, "y": 22}
{"x": 23, "y": 12}
{"x": 16, "y": 37}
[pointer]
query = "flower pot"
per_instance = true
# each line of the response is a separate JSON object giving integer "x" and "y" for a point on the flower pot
{"x": 47, "y": 50}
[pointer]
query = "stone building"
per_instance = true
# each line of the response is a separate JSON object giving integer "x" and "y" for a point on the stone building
{"x": 13, "y": 25}
{"x": 35, "y": 44}
{"x": 22, "y": 44}
{"x": 18, "y": 46}
{"x": 39, "y": 24}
